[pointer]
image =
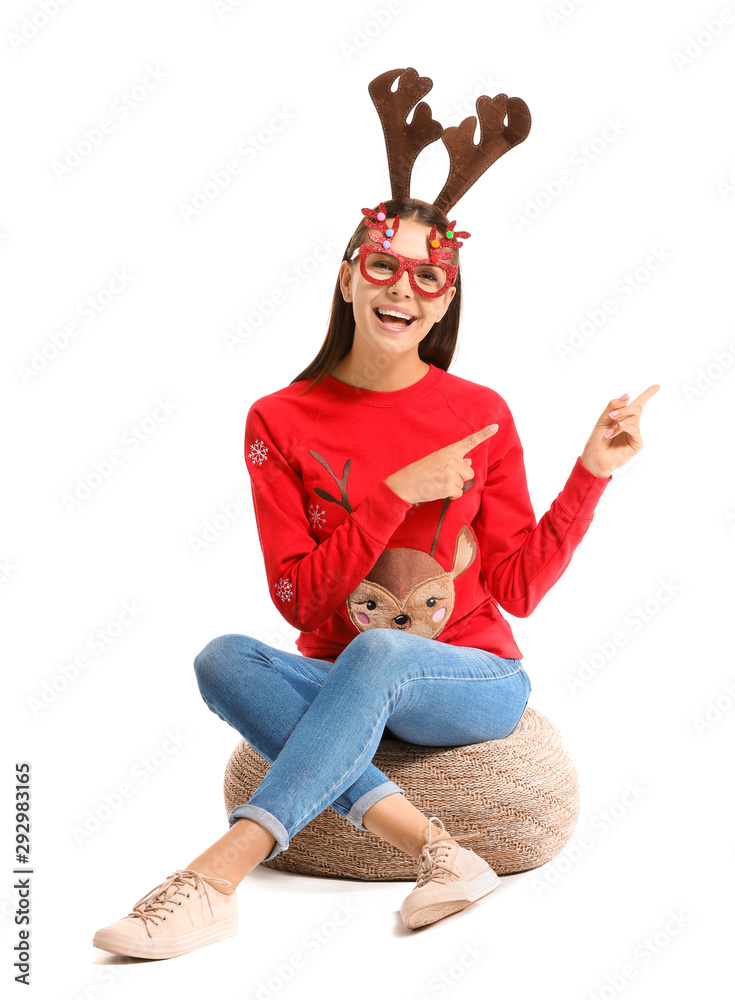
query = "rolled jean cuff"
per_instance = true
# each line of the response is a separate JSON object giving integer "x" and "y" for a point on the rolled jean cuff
{"x": 362, "y": 805}
{"x": 266, "y": 819}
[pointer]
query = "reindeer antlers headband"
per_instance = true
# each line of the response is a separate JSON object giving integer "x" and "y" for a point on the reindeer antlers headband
{"x": 467, "y": 161}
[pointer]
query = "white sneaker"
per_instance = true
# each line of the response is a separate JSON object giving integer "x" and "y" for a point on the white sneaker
{"x": 179, "y": 915}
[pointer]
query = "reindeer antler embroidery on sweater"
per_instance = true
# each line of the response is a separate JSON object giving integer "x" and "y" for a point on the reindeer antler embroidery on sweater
{"x": 342, "y": 482}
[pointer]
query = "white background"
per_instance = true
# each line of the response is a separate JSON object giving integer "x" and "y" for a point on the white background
{"x": 661, "y": 181}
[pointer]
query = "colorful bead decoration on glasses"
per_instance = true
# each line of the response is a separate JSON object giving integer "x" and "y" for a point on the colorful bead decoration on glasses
{"x": 430, "y": 276}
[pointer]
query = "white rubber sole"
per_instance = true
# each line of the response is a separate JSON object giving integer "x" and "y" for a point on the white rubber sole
{"x": 162, "y": 948}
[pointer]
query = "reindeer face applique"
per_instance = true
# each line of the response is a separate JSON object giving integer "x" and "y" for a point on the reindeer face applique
{"x": 406, "y": 589}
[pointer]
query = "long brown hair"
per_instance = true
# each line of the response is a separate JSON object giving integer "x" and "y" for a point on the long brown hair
{"x": 437, "y": 347}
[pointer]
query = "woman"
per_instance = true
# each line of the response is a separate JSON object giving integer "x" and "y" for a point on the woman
{"x": 394, "y": 517}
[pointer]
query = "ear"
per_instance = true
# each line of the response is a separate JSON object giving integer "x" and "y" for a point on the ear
{"x": 447, "y": 297}
{"x": 345, "y": 280}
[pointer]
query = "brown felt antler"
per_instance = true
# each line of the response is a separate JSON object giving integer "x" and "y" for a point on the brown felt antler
{"x": 403, "y": 142}
{"x": 467, "y": 161}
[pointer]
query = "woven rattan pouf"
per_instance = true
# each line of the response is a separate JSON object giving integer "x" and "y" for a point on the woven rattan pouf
{"x": 518, "y": 794}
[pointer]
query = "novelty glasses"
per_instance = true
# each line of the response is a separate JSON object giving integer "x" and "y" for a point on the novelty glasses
{"x": 384, "y": 267}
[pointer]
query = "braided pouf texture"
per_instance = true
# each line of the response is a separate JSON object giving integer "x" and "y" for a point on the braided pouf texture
{"x": 519, "y": 795}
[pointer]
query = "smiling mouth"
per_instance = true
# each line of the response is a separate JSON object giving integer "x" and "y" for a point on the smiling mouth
{"x": 393, "y": 322}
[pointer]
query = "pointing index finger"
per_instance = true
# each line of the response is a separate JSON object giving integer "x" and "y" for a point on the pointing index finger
{"x": 476, "y": 437}
{"x": 647, "y": 394}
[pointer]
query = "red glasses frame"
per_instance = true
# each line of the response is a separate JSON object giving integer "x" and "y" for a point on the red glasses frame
{"x": 406, "y": 264}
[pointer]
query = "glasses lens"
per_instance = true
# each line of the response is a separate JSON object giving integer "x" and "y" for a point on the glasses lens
{"x": 381, "y": 266}
{"x": 429, "y": 277}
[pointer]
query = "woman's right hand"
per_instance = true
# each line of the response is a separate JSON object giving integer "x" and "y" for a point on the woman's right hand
{"x": 441, "y": 474}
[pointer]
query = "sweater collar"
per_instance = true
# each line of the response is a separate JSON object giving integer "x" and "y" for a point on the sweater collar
{"x": 373, "y": 397}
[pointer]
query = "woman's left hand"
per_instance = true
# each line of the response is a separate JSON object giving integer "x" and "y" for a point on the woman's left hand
{"x": 616, "y": 437}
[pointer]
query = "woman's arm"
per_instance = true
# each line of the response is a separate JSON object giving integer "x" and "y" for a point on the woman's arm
{"x": 308, "y": 581}
{"x": 521, "y": 558}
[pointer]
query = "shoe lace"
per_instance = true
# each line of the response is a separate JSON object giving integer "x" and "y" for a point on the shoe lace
{"x": 149, "y": 907}
{"x": 435, "y": 854}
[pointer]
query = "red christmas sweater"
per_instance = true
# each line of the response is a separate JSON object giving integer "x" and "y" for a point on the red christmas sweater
{"x": 344, "y": 553}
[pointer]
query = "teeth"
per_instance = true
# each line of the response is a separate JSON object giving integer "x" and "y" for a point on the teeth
{"x": 393, "y": 312}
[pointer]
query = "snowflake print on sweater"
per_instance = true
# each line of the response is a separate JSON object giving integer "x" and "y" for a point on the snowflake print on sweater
{"x": 258, "y": 452}
{"x": 317, "y": 515}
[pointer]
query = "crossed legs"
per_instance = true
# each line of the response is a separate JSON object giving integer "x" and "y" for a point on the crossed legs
{"x": 319, "y": 724}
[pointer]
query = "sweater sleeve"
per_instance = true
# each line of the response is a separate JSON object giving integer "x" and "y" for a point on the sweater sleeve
{"x": 308, "y": 580}
{"x": 523, "y": 559}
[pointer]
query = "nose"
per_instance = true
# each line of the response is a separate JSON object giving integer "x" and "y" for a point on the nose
{"x": 401, "y": 620}
{"x": 403, "y": 285}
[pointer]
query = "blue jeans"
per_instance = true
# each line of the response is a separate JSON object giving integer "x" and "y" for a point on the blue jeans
{"x": 319, "y": 724}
